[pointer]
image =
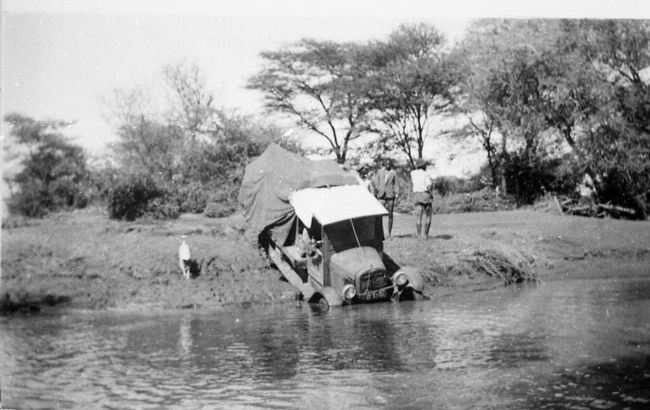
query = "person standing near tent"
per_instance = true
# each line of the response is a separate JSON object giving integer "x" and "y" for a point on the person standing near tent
{"x": 386, "y": 188}
{"x": 422, "y": 197}
{"x": 365, "y": 178}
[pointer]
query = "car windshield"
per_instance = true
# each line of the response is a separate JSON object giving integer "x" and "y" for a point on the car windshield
{"x": 353, "y": 232}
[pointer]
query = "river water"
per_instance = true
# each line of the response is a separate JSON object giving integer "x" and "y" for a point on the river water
{"x": 561, "y": 344}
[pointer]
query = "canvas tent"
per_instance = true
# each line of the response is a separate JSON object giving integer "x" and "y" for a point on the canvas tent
{"x": 270, "y": 179}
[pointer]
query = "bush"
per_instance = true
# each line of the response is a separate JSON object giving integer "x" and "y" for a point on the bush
{"x": 162, "y": 208}
{"x": 218, "y": 210}
{"x": 31, "y": 202}
{"x": 130, "y": 197}
{"x": 445, "y": 185}
{"x": 192, "y": 197}
{"x": 477, "y": 201}
{"x": 567, "y": 175}
{"x": 529, "y": 177}
{"x": 617, "y": 187}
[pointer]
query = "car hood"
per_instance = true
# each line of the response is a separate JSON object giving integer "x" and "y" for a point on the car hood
{"x": 356, "y": 261}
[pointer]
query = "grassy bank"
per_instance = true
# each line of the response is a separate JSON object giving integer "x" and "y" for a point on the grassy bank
{"x": 85, "y": 260}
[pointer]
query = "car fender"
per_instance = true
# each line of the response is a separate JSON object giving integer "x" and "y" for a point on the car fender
{"x": 415, "y": 278}
{"x": 333, "y": 297}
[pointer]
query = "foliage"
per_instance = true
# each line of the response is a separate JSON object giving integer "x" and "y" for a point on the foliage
{"x": 132, "y": 196}
{"x": 191, "y": 101}
{"x": 53, "y": 170}
{"x": 148, "y": 147}
{"x": 215, "y": 167}
{"x": 484, "y": 200}
{"x": 409, "y": 79}
{"x": 190, "y": 150}
{"x": 567, "y": 173}
{"x": 579, "y": 79}
{"x": 102, "y": 175}
{"x": 318, "y": 84}
{"x": 191, "y": 196}
{"x": 529, "y": 176}
{"x": 549, "y": 100}
{"x": 218, "y": 210}
{"x": 445, "y": 185}
{"x": 618, "y": 143}
{"x": 162, "y": 208}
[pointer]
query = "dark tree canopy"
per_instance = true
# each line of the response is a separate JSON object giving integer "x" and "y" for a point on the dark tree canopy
{"x": 578, "y": 79}
{"x": 53, "y": 170}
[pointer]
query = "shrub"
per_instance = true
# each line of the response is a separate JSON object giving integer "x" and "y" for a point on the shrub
{"x": 162, "y": 208}
{"x": 617, "y": 187}
{"x": 529, "y": 177}
{"x": 192, "y": 197}
{"x": 567, "y": 175}
{"x": 445, "y": 185}
{"x": 218, "y": 210}
{"x": 30, "y": 201}
{"x": 477, "y": 201}
{"x": 129, "y": 198}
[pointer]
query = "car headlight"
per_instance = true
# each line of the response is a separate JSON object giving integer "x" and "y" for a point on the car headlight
{"x": 400, "y": 279}
{"x": 349, "y": 291}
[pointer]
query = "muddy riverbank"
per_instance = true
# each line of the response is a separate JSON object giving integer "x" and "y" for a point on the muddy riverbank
{"x": 84, "y": 260}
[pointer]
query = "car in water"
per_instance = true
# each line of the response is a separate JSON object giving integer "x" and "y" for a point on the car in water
{"x": 322, "y": 229}
{"x": 335, "y": 255}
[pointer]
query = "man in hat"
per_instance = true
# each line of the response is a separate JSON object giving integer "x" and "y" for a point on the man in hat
{"x": 386, "y": 188}
{"x": 364, "y": 178}
{"x": 422, "y": 197}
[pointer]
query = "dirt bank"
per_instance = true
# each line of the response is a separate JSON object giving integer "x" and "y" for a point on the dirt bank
{"x": 84, "y": 260}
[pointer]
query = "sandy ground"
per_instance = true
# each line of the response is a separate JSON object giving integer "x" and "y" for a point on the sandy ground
{"x": 84, "y": 260}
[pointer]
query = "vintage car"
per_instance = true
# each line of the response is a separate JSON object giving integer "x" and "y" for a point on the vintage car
{"x": 336, "y": 256}
{"x": 323, "y": 231}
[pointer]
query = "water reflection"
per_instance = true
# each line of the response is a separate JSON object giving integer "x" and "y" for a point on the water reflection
{"x": 571, "y": 343}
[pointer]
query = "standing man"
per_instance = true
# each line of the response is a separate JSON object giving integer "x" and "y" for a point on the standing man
{"x": 387, "y": 189}
{"x": 422, "y": 185}
{"x": 365, "y": 178}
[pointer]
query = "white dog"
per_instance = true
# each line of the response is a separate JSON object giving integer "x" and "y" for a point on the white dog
{"x": 184, "y": 258}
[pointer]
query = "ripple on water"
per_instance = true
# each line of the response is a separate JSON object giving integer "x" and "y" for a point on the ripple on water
{"x": 582, "y": 343}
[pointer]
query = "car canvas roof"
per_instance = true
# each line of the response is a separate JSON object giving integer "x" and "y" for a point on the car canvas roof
{"x": 330, "y": 205}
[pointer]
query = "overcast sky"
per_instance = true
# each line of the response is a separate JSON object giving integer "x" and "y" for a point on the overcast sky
{"x": 60, "y": 57}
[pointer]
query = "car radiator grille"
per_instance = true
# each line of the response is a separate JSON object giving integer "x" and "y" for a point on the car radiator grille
{"x": 372, "y": 281}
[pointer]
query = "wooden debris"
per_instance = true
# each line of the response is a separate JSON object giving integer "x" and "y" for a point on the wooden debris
{"x": 574, "y": 207}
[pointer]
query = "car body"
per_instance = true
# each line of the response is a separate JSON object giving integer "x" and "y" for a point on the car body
{"x": 334, "y": 254}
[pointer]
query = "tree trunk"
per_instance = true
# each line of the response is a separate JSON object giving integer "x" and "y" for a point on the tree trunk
{"x": 504, "y": 155}
{"x": 493, "y": 171}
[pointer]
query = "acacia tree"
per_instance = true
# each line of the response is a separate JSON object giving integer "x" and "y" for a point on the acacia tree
{"x": 318, "y": 84}
{"x": 409, "y": 80}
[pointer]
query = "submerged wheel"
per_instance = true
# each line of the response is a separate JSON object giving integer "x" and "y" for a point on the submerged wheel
{"x": 323, "y": 304}
{"x": 407, "y": 294}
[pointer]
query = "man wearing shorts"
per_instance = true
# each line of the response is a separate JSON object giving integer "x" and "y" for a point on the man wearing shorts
{"x": 422, "y": 198}
{"x": 387, "y": 189}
